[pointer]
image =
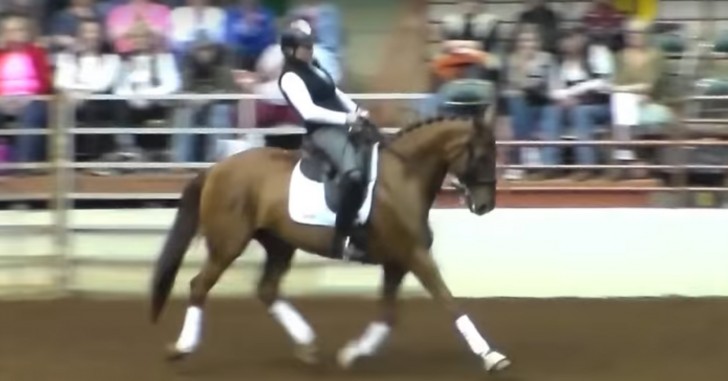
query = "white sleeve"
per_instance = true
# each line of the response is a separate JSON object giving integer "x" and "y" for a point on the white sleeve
{"x": 297, "y": 94}
{"x": 65, "y": 70}
{"x": 169, "y": 76}
{"x": 346, "y": 101}
{"x": 111, "y": 67}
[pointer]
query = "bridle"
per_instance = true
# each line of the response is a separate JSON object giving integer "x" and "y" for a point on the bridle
{"x": 472, "y": 175}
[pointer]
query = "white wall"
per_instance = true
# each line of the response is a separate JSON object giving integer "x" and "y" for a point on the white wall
{"x": 510, "y": 252}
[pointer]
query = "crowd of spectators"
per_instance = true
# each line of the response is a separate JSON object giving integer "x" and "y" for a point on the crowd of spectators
{"x": 557, "y": 81}
{"x": 134, "y": 48}
{"x": 554, "y": 81}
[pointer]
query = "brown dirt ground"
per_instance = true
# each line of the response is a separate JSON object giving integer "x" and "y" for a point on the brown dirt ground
{"x": 552, "y": 340}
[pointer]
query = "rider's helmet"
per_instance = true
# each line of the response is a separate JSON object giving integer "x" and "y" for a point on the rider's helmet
{"x": 298, "y": 34}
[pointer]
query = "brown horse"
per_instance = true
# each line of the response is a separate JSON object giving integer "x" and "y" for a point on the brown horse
{"x": 245, "y": 196}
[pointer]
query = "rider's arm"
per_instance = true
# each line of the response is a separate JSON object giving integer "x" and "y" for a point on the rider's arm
{"x": 297, "y": 94}
{"x": 346, "y": 101}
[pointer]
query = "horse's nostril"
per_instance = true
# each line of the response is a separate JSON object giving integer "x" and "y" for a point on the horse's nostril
{"x": 481, "y": 209}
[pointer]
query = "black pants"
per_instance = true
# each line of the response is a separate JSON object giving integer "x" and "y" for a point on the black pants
{"x": 334, "y": 142}
{"x": 93, "y": 114}
{"x": 128, "y": 116}
{"x": 348, "y": 160}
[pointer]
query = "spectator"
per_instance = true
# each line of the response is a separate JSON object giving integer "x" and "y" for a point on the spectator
{"x": 64, "y": 25}
{"x": 604, "y": 22}
{"x": 578, "y": 86}
{"x": 640, "y": 68}
{"x": 24, "y": 70}
{"x": 325, "y": 20}
{"x": 25, "y": 7}
{"x": 90, "y": 68}
{"x": 540, "y": 14}
{"x": 206, "y": 70}
{"x": 145, "y": 71}
{"x": 122, "y": 18}
{"x": 527, "y": 72}
{"x": 473, "y": 28}
{"x": 249, "y": 29}
{"x": 469, "y": 50}
{"x": 197, "y": 17}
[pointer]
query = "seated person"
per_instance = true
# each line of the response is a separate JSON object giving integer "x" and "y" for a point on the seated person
{"x": 123, "y": 18}
{"x": 640, "y": 69}
{"x": 198, "y": 16}
{"x": 249, "y": 29}
{"x": 526, "y": 76}
{"x": 578, "y": 87}
{"x": 24, "y": 70}
{"x": 145, "y": 70}
{"x": 469, "y": 50}
{"x": 206, "y": 69}
{"x": 65, "y": 23}
{"x": 90, "y": 68}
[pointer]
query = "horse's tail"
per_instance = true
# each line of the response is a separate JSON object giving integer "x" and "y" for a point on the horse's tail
{"x": 184, "y": 229}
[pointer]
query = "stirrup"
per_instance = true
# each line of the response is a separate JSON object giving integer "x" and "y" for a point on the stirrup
{"x": 349, "y": 251}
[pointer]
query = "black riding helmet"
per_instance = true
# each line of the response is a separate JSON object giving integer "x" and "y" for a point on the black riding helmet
{"x": 298, "y": 34}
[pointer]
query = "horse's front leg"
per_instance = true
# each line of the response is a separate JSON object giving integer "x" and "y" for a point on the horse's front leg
{"x": 423, "y": 266}
{"x": 378, "y": 330}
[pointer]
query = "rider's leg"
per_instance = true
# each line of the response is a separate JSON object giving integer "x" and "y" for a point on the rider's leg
{"x": 351, "y": 197}
{"x": 334, "y": 142}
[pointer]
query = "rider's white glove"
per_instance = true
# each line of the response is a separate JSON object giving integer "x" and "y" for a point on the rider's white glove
{"x": 364, "y": 114}
{"x": 352, "y": 118}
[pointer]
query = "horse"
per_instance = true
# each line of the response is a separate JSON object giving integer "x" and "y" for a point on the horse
{"x": 245, "y": 196}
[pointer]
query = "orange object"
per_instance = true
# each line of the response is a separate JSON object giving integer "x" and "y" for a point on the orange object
{"x": 449, "y": 66}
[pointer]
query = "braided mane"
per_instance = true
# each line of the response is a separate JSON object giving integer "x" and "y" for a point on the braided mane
{"x": 416, "y": 125}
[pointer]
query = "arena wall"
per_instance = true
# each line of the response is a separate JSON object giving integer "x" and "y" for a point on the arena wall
{"x": 510, "y": 252}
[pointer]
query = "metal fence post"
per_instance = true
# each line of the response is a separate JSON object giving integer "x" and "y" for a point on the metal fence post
{"x": 63, "y": 117}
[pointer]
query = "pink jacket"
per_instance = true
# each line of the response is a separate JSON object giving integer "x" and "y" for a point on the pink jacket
{"x": 123, "y": 17}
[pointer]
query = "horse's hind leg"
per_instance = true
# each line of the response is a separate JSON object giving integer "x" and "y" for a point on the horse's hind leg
{"x": 224, "y": 244}
{"x": 377, "y": 332}
{"x": 278, "y": 261}
{"x": 424, "y": 268}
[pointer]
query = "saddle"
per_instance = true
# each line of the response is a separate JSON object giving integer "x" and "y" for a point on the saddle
{"x": 316, "y": 166}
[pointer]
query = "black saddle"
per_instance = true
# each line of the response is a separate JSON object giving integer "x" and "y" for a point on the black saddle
{"x": 316, "y": 166}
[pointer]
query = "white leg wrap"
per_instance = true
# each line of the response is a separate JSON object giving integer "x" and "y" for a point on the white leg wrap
{"x": 373, "y": 338}
{"x": 476, "y": 342}
{"x": 292, "y": 321}
{"x": 189, "y": 338}
{"x": 366, "y": 345}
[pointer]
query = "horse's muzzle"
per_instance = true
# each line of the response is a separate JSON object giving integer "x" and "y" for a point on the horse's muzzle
{"x": 480, "y": 209}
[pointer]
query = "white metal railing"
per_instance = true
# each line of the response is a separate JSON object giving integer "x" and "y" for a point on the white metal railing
{"x": 63, "y": 192}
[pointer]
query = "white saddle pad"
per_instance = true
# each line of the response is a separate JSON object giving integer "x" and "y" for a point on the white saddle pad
{"x": 306, "y": 202}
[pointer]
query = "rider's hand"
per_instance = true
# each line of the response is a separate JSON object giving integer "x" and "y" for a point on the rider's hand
{"x": 364, "y": 114}
{"x": 352, "y": 118}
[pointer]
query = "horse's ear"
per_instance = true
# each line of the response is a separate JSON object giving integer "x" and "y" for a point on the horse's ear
{"x": 486, "y": 121}
{"x": 490, "y": 115}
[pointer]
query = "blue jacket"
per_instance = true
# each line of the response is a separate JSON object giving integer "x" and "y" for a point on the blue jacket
{"x": 249, "y": 39}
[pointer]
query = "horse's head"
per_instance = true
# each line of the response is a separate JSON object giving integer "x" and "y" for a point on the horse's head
{"x": 462, "y": 142}
{"x": 473, "y": 163}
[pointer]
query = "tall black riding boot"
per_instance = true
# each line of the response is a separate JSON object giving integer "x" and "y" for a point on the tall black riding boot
{"x": 352, "y": 196}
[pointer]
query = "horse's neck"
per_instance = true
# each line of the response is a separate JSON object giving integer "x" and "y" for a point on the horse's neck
{"x": 427, "y": 152}
{"x": 429, "y": 142}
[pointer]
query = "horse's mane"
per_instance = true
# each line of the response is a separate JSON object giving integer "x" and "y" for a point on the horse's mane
{"x": 426, "y": 122}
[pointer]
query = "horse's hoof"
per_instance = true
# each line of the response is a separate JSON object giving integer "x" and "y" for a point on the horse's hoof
{"x": 174, "y": 354}
{"x": 495, "y": 361}
{"x": 308, "y": 353}
{"x": 347, "y": 356}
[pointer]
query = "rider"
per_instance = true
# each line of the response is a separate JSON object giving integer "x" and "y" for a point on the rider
{"x": 328, "y": 114}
